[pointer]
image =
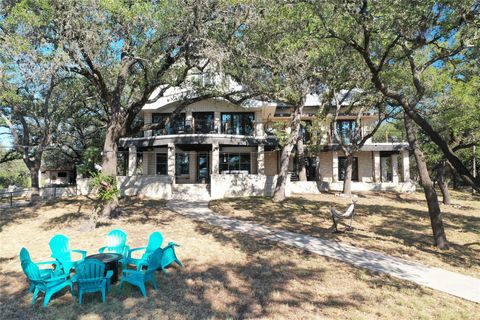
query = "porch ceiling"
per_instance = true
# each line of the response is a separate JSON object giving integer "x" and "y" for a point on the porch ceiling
{"x": 188, "y": 139}
{"x": 372, "y": 147}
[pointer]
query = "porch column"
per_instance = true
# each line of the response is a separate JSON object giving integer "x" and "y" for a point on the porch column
{"x": 215, "y": 158}
{"x": 376, "y": 167}
{"x": 394, "y": 159}
{"x": 335, "y": 166}
{"x": 406, "y": 165}
{"x": 132, "y": 160}
{"x": 171, "y": 161}
{"x": 261, "y": 159}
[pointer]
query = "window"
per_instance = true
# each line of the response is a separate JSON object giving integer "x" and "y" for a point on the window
{"x": 204, "y": 122}
{"x": 62, "y": 174}
{"x": 182, "y": 164}
{"x": 305, "y": 130}
{"x": 169, "y": 125}
{"x": 234, "y": 162}
{"x": 161, "y": 164}
{"x": 238, "y": 123}
{"x": 346, "y": 129}
{"x": 342, "y": 166}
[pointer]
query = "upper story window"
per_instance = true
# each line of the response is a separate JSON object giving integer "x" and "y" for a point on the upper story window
{"x": 240, "y": 123}
{"x": 345, "y": 130}
{"x": 169, "y": 124}
{"x": 204, "y": 122}
{"x": 304, "y": 131}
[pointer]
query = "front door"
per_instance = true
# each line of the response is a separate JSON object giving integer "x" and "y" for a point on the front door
{"x": 203, "y": 168}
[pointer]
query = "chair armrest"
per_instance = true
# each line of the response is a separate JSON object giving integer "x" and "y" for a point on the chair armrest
{"x": 46, "y": 262}
{"x": 82, "y": 252}
{"x": 63, "y": 277}
{"x": 173, "y": 244}
{"x": 135, "y": 249}
{"x": 109, "y": 274}
{"x": 127, "y": 271}
{"x": 142, "y": 264}
{"x": 102, "y": 249}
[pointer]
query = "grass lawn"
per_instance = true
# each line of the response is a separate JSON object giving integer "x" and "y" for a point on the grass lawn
{"x": 397, "y": 224}
{"x": 226, "y": 276}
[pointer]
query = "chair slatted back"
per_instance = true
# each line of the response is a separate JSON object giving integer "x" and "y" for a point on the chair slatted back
{"x": 90, "y": 272}
{"x": 24, "y": 255}
{"x": 61, "y": 251}
{"x": 154, "y": 242}
{"x": 116, "y": 240}
{"x": 155, "y": 259}
{"x": 168, "y": 256}
{"x": 32, "y": 271}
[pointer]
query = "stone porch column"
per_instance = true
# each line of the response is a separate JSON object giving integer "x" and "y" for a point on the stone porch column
{"x": 171, "y": 161}
{"x": 335, "y": 166}
{"x": 394, "y": 159}
{"x": 132, "y": 160}
{"x": 376, "y": 167}
{"x": 406, "y": 165}
{"x": 261, "y": 159}
{"x": 215, "y": 158}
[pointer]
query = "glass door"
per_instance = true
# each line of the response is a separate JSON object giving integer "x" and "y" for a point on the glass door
{"x": 203, "y": 175}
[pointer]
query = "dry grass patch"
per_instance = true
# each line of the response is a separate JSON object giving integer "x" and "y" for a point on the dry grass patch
{"x": 396, "y": 224}
{"x": 226, "y": 276}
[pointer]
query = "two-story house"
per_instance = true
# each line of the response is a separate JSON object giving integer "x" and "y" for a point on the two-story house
{"x": 214, "y": 148}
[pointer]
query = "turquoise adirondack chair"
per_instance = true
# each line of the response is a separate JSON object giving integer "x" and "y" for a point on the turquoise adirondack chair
{"x": 90, "y": 277}
{"x": 140, "y": 277}
{"x": 116, "y": 243}
{"x": 169, "y": 256}
{"x": 62, "y": 252}
{"x": 44, "y": 273}
{"x": 49, "y": 285}
{"x": 154, "y": 242}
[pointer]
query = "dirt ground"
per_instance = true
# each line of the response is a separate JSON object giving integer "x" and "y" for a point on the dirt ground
{"x": 397, "y": 224}
{"x": 226, "y": 276}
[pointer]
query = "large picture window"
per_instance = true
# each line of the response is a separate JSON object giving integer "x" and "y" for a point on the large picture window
{"x": 240, "y": 123}
{"x": 346, "y": 129}
{"x": 168, "y": 125}
{"x": 342, "y": 167}
{"x": 161, "y": 164}
{"x": 234, "y": 162}
{"x": 182, "y": 166}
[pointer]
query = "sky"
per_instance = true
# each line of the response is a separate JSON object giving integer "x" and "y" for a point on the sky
{"x": 5, "y": 138}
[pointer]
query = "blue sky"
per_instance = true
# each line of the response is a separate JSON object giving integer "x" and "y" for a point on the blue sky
{"x": 5, "y": 138}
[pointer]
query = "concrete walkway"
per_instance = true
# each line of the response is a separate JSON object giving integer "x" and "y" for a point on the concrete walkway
{"x": 450, "y": 282}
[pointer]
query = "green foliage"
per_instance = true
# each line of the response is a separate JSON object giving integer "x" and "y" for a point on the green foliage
{"x": 91, "y": 157}
{"x": 106, "y": 186}
{"x": 390, "y": 132}
{"x": 13, "y": 173}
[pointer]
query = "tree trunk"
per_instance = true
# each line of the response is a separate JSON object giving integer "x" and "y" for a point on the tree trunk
{"x": 443, "y": 184}
{"x": 302, "y": 170}
{"x": 279, "y": 192}
{"x": 35, "y": 189}
{"x": 347, "y": 182}
{"x": 109, "y": 163}
{"x": 440, "y": 239}
{"x": 110, "y": 147}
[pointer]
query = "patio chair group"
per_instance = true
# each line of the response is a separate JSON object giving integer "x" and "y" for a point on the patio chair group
{"x": 89, "y": 274}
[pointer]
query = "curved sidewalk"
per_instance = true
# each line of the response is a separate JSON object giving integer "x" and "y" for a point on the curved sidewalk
{"x": 456, "y": 284}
